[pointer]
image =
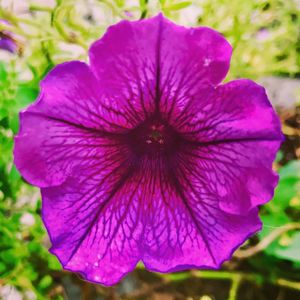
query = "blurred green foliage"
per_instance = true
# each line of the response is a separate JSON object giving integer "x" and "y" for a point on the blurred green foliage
{"x": 283, "y": 209}
{"x": 265, "y": 35}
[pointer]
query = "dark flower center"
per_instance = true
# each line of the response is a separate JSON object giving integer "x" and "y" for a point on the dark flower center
{"x": 154, "y": 136}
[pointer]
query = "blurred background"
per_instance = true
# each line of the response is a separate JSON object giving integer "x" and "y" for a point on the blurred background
{"x": 36, "y": 35}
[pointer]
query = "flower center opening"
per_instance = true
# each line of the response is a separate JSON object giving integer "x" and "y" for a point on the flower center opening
{"x": 154, "y": 136}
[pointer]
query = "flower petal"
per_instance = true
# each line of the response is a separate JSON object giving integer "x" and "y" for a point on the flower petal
{"x": 8, "y": 44}
{"x": 235, "y": 135}
{"x": 101, "y": 226}
{"x": 124, "y": 61}
{"x": 185, "y": 226}
{"x": 94, "y": 221}
{"x": 194, "y": 235}
{"x": 67, "y": 126}
{"x": 152, "y": 64}
{"x": 239, "y": 109}
{"x": 193, "y": 60}
{"x": 238, "y": 173}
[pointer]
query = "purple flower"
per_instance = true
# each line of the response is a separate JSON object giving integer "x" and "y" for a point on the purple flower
{"x": 7, "y": 41}
{"x": 143, "y": 155}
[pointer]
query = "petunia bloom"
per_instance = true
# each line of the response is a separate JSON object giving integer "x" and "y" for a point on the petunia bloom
{"x": 143, "y": 155}
{"x": 7, "y": 41}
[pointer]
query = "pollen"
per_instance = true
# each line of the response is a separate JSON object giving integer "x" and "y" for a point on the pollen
{"x": 154, "y": 136}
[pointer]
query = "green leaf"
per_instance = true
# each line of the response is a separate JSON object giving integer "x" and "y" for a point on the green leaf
{"x": 120, "y": 3}
{"x": 9, "y": 257}
{"x": 14, "y": 174}
{"x": 2, "y": 267}
{"x": 3, "y": 72}
{"x": 25, "y": 95}
{"x": 292, "y": 169}
{"x": 178, "y": 6}
{"x": 45, "y": 282}
{"x": 287, "y": 245}
{"x": 272, "y": 221}
{"x": 279, "y": 156}
{"x": 53, "y": 263}
{"x": 287, "y": 189}
{"x": 292, "y": 251}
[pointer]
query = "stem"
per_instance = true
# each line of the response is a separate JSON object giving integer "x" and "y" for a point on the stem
{"x": 237, "y": 277}
{"x": 288, "y": 284}
{"x": 234, "y": 287}
{"x": 144, "y": 9}
{"x": 264, "y": 243}
{"x": 221, "y": 275}
{"x": 35, "y": 7}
